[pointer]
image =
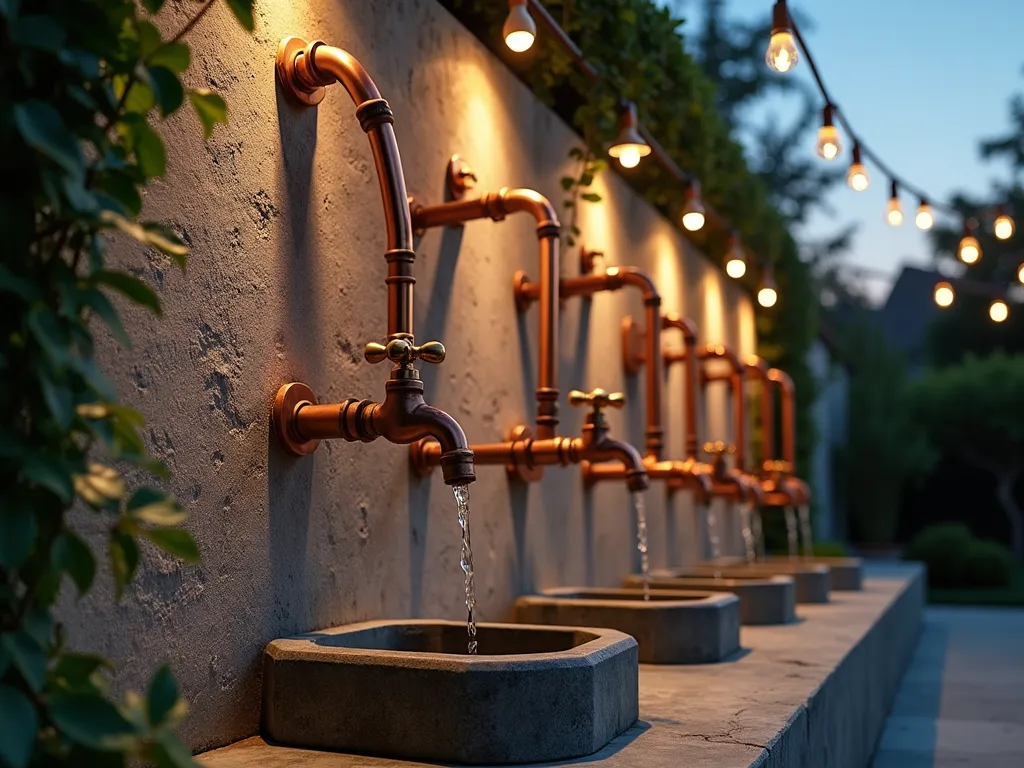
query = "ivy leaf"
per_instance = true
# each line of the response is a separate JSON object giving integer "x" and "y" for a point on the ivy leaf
{"x": 163, "y": 695}
{"x": 567, "y": 182}
{"x": 164, "y": 239}
{"x": 73, "y": 555}
{"x": 130, "y": 287}
{"x": 89, "y": 720}
{"x": 174, "y": 541}
{"x": 243, "y": 12}
{"x": 47, "y": 331}
{"x": 17, "y": 534}
{"x": 18, "y": 725}
{"x": 12, "y": 283}
{"x": 27, "y": 657}
{"x": 149, "y": 38}
{"x": 168, "y": 90}
{"x": 209, "y": 107}
{"x": 170, "y": 752}
{"x": 100, "y": 486}
{"x": 151, "y": 506}
{"x": 149, "y": 150}
{"x": 74, "y": 671}
{"x": 104, "y": 310}
{"x": 58, "y": 399}
{"x": 153, "y": 6}
{"x": 43, "y": 129}
{"x": 50, "y": 472}
{"x": 124, "y": 559}
{"x": 174, "y": 56}
{"x": 39, "y": 31}
{"x": 591, "y": 197}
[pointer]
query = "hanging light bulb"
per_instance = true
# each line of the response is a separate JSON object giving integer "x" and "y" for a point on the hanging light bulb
{"x": 894, "y": 213}
{"x": 857, "y": 177}
{"x": 1003, "y": 226}
{"x": 693, "y": 208}
{"x": 969, "y": 250}
{"x": 736, "y": 263}
{"x": 924, "y": 218}
{"x": 767, "y": 293}
{"x": 828, "y": 145}
{"x": 998, "y": 311}
{"x": 782, "y": 54}
{"x": 519, "y": 29}
{"x": 944, "y": 294}
{"x": 629, "y": 146}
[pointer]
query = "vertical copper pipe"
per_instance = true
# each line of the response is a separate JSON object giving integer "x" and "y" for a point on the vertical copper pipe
{"x": 689, "y": 358}
{"x": 735, "y": 379}
{"x": 758, "y": 369}
{"x": 786, "y": 390}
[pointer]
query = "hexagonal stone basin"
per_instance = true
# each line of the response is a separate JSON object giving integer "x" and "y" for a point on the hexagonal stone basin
{"x": 408, "y": 689}
{"x": 845, "y": 574}
{"x": 812, "y": 581}
{"x": 763, "y": 599}
{"x": 672, "y": 627}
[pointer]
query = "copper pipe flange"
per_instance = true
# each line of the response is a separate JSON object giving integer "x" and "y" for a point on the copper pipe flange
{"x": 460, "y": 177}
{"x": 289, "y": 49}
{"x": 522, "y": 472}
{"x": 633, "y": 357}
{"x": 290, "y": 399}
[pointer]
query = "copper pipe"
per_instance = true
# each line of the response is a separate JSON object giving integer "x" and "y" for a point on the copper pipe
{"x": 496, "y": 206}
{"x": 787, "y": 394}
{"x": 735, "y": 380}
{"x": 757, "y": 369}
{"x": 689, "y": 357}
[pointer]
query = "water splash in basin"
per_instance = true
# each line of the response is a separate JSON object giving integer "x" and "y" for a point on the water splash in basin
{"x": 462, "y": 501}
{"x": 641, "y": 543}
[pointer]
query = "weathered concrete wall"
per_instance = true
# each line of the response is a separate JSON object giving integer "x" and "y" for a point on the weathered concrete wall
{"x": 286, "y": 283}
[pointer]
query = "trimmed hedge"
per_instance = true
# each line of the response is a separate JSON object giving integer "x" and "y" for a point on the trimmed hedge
{"x": 956, "y": 559}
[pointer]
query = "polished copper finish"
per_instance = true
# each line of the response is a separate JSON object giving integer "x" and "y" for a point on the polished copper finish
{"x": 526, "y": 451}
{"x": 790, "y": 489}
{"x": 460, "y": 178}
{"x": 776, "y": 491}
{"x": 304, "y": 70}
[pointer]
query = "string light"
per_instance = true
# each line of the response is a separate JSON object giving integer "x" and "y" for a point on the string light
{"x": 828, "y": 146}
{"x": 969, "y": 250}
{"x": 998, "y": 311}
{"x": 693, "y": 209}
{"x": 736, "y": 264}
{"x": 924, "y": 217}
{"x": 894, "y": 213}
{"x": 782, "y": 54}
{"x": 1003, "y": 226}
{"x": 629, "y": 146}
{"x": 1020, "y": 274}
{"x": 944, "y": 294}
{"x": 857, "y": 177}
{"x": 767, "y": 293}
{"x": 519, "y": 29}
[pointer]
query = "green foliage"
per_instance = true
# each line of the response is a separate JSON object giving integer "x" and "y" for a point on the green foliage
{"x": 884, "y": 447}
{"x": 637, "y": 48}
{"x": 830, "y": 549}
{"x": 84, "y": 85}
{"x": 989, "y": 564}
{"x": 943, "y": 548}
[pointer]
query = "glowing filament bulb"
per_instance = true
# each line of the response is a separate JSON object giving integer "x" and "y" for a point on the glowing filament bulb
{"x": 828, "y": 146}
{"x": 1003, "y": 226}
{"x": 693, "y": 209}
{"x": 924, "y": 218}
{"x": 998, "y": 311}
{"x": 782, "y": 54}
{"x": 894, "y": 213}
{"x": 969, "y": 250}
{"x": 519, "y": 30}
{"x": 629, "y": 146}
{"x": 944, "y": 294}
{"x": 736, "y": 264}
{"x": 629, "y": 155}
{"x": 767, "y": 293}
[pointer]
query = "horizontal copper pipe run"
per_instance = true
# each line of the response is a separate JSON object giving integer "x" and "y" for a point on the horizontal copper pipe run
{"x": 496, "y": 206}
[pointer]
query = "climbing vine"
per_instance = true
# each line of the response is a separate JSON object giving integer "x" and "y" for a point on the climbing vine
{"x": 637, "y": 48}
{"x": 84, "y": 86}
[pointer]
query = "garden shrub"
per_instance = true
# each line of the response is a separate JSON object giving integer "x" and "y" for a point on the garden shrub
{"x": 988, "y": 564}
{"x": 944, "y": 549}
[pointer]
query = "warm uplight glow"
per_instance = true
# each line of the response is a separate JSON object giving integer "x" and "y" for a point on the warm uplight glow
{"x": 969, "y": 250}
{"x": 629, "y": 146}
{"x": 828, "y": 145}
{"x": 944, "y": 294}
{"x": 1003, "y": 227}
{"x": 693, "y": 208}
{"x": 998, "y": 311}
{"x": 782, "y": 54}
{"x": 924, "y": 218}
{"x": 519, "y": 29}
{"x": 736, "y": 263}
{"x": 767, "y": 297}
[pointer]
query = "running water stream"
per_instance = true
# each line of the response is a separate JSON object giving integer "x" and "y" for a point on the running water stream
{"x": 791, "y": 533}
{"x": 462, "y": 500}
{"x": 805, "y": 530}
{"x": 746, "y": 528}
{"x": 641, "y": 543}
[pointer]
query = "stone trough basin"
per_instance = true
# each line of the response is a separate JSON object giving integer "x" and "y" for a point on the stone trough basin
{"x": 763, "y": 599}
{"x": 845, "y": 574}
{"x": 408, "y": 689}
{"x": 672, "y": 627}
{"x": 812, "y": 581}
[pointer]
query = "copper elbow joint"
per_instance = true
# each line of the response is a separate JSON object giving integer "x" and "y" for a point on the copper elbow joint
{"x": 637, "y": 478}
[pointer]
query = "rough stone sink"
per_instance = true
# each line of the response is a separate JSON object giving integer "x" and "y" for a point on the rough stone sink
{"x": 407, "y": 689}
{"x": 763, "y": 599}
{"x": 672, "y": 627}
{"x": 812, "y": 581}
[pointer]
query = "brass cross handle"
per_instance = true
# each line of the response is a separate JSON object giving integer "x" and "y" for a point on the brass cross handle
{"x": 718, "y": 448}
{"x": 597, "y": 399}
{"x": 402, "y": 352}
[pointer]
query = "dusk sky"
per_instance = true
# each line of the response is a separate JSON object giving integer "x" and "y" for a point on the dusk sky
{"x": 921, "y": 82}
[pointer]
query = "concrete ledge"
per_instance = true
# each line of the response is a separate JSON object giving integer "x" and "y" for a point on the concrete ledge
{"x": 807, "y": 695}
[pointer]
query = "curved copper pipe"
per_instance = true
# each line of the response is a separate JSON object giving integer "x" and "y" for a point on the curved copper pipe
{"x": 735, "y": 379}
{"x": 757, "y": 368}
{"x": 689, "y": 357}
{"x": 788, "y": 393}
{"x": 496, "y": 206}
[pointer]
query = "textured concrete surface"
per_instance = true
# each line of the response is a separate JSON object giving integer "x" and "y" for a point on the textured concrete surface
{"x": 408, "y": 689}
{"x": 807, "y": 695}
{"x": 763, "y": 600}
{"x": 961, "y": 702}
{"x": 845, "y": 574}
{"x": 286, "y": 282}
{"x": 671, "y": 627}
{"x": 812, "y": 581}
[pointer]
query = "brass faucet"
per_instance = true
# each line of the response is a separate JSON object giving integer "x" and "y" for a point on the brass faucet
{"x": 525, "y": 453}
{"x": 612, "y": 279}
{"x": 304, "y": 70}
{"x": 727, "y": 483}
